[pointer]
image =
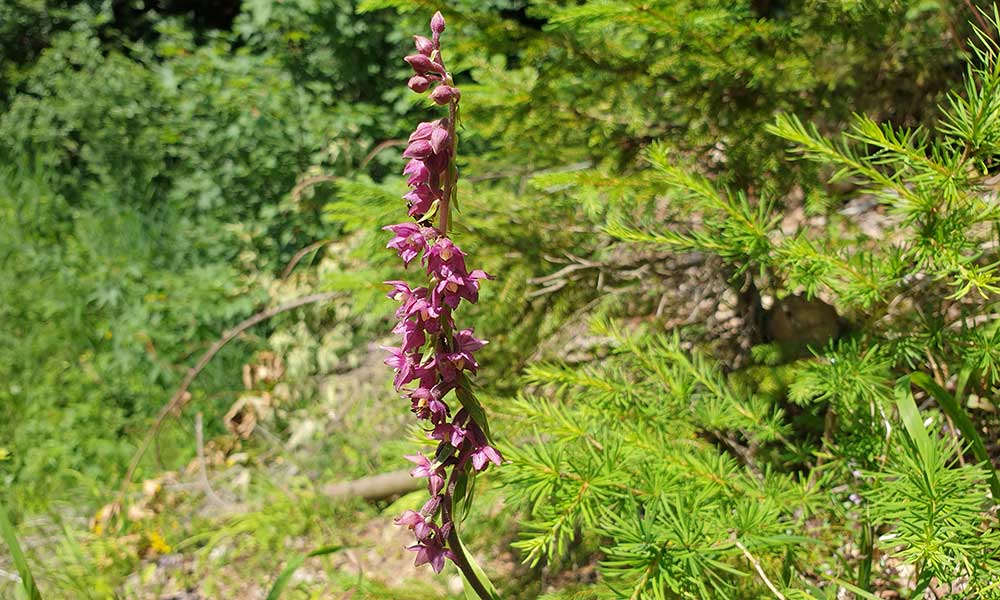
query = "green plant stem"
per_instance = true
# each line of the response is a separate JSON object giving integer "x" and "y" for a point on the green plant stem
{"x": 455, "y": 542}
{"x": 444, "y": 209}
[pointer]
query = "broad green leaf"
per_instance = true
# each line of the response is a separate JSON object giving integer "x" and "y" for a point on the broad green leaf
{"x": 478, "y": 573}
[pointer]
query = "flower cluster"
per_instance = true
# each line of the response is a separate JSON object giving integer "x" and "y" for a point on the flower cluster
{"x": 435, "y": 356}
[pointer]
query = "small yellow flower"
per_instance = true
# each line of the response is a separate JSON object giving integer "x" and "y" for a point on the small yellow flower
{"x": 157, "y": 544}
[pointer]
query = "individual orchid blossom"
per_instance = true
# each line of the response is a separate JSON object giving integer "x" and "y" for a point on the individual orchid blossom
{"x": 409, "y": 241}
{"x": 416, "y": 522}
{"x": 485, "y": 453}
{"x": 435, "y": 358}
{"x": 425, "y": 468}
{"x": 432, "y": 549}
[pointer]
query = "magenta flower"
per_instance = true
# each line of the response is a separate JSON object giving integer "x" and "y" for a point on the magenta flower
{"x": 438, "y": 165}
{"x": 485, "y": 454}
{"x": 425, "y": 314}
{"x": 422, "y": 64}
{"x": 415, "y": 522}
{"x": 448, "y": 432}
{"x": 440, "y": 138}
{"x": 444, "y": 94}
{"x": 413, "y": 335}
{"x": 453, "y": 287}
{"x": 418, "y": 149}
{"x": 424, "y": 45}
{"x": 450, "y": 364}
{"x": 418, "y": 172}
{"x": 444, "y": 253}
{"x": 425, "y": 402}
{"x": 413, "y": 303}
{"x": 434, "y": 133}
{"x": 401, "y": 291}
{"x": 418, "y": 83}
{"x": 409, "y": 241}
{"x": 405, "y": 365}
{"x": 420, "y": 199}
{"x": 437, "y": 24}
{"x": 431, "y": 506}
{"x": 482, "y": 453}
{"x": 465, "y": 344}
{"x": 432, "y": 550}
{"x": 425, "y": 468}
{"x": 423, "y": 131}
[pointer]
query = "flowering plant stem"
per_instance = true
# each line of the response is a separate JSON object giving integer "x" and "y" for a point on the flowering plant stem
{"x": 435, "y": 354}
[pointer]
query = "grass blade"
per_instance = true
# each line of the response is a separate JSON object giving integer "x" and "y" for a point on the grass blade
{"x": 20, "y": 562}
{"x": 293, "y": 565}
{"x": 909, "y": 414}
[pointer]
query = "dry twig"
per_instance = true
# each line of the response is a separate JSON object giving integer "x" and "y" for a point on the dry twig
{"x": 760, "y": 570}
{"x": 299, "y": 255}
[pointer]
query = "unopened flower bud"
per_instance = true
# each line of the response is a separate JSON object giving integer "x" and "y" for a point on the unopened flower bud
{"x": 437, "y": 23}
{"x": 418, "y": 149}
{"x": 418, "y": 83}
{"x": 424, "y": 45}
{"x": 431, "y": 506}
{"x": 422, "y": 64}
{"x": 443, "y": 94}
{"x": 424, "y": 130}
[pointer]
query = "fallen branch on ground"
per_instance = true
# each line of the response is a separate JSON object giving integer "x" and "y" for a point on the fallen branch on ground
{"x": 376, "y": 487}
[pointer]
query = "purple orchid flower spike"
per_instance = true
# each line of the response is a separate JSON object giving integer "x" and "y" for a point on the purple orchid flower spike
{"x": 435, "y": 357}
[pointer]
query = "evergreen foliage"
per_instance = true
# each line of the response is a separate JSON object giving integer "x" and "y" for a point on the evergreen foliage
{"x": 695, "y": 485}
